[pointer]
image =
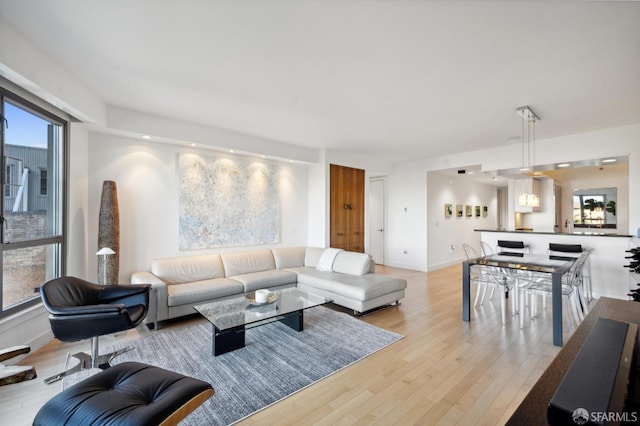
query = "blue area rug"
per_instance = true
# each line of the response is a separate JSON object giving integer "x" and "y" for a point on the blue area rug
{"x": 275, "y": 363}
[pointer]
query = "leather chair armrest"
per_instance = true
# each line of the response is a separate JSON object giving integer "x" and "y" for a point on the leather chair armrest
{"x": 88, "y": 309}
{"x": 115, "y": 292}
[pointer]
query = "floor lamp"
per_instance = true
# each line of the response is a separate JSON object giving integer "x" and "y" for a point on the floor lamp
{"x": 103, "y": 253}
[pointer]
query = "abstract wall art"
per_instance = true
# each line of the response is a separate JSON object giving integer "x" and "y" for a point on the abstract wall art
{"x": 227, "y": 202}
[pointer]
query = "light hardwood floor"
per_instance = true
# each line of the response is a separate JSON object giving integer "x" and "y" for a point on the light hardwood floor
{"x": 444, "y": 371}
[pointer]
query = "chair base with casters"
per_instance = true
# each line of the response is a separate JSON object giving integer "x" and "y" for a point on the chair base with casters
{"x": 80, "y": 310}
{"x": 130, "y": 393}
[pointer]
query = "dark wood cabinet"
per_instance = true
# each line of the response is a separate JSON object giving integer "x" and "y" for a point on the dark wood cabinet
{"x": 346, "y": 187}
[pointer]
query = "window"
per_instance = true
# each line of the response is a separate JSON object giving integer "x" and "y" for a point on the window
{"x": 7, "y": 179}
{"x": 43, "y": 182}
{"x": 595, "y": 208}
{"x": 32, "y": 144}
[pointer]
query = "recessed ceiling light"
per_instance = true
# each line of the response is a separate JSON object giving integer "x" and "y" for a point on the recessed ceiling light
{"x": 561, "y": 165}
{"x": 146, "y": 137}
{"x": 470, "y": 173}
{"x": 231, "y": 151}
{"x": 609, "y": 160}
{"x": 525, "y": 169}
{"x": 192, "y": 144}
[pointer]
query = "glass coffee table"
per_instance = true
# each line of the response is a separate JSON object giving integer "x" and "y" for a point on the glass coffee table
{"x": 231, "y": 317}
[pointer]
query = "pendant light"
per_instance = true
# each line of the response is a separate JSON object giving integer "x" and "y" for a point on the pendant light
{"x": 528, "y": 141}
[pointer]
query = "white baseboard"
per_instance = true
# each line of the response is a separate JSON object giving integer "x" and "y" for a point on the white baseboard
{"x": 29, "y": 327}
{"x": 444, "y": 265}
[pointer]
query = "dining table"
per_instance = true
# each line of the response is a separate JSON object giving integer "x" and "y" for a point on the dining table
{"x": 524, "y": 264}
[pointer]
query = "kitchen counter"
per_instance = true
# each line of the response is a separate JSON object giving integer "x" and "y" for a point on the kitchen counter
{"x": 588, "y": 233}
{"x": 608, "y": 276}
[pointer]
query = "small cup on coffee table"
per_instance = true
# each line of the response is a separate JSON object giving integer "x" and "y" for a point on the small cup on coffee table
{"x": 262, "y": 296}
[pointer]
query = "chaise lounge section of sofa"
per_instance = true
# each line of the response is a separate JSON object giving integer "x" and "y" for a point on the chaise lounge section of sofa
{"x": 348, "y": 278}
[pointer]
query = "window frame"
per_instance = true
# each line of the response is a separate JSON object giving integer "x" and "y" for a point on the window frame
{"x": 32, "y": 104}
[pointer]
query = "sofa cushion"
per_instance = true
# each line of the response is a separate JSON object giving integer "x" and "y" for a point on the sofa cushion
{"x": 176, "y": 270}
{"x": 288, "y": 257}
{"x": 200, "y": 291}
{"x": 312, "y": 256}
{"x": 247, "y": 262}
{"x": 358, "y": 287}
{"x": 352, "y": 263}
{"x": 266, "y": 279}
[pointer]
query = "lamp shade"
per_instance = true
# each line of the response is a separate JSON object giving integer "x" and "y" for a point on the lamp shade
{"x": 104, "y": 251}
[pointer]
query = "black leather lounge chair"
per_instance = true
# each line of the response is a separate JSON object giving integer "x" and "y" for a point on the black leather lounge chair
{"x": 79, "y": 309}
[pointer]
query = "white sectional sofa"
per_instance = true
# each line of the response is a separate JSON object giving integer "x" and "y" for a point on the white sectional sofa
{"x": 348, "y": 278}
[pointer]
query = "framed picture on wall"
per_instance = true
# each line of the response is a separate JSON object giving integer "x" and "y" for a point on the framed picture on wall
{"x": 485, "y": 211}
{"x": 477, "y": 211}
{"x": 448, "y": 210}
{"x": 468, "y": 210}
{"x": 459, "y": 210}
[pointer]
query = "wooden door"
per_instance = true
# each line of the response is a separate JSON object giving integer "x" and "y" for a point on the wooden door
{"x": 346, "y": 208}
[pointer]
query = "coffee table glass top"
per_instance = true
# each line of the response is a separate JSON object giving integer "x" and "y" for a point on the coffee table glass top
{"x": 240, "y": 311}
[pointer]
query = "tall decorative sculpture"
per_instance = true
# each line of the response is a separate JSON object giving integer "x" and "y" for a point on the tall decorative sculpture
{"x": 109, "y": 232}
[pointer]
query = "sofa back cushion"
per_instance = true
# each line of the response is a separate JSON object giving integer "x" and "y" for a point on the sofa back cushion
{"x": 183, "y": 269}
{"x": 352, "y": 263}
{"x": 312, "y": 256}
{"x": 288, "y": 257}
{"x": 247, "y": 262}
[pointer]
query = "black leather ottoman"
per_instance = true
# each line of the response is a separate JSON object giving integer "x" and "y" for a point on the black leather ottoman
{"x": 130, "y": 393}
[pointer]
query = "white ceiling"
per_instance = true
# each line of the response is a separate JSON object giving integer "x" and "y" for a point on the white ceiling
{"x": 389, "y": 78}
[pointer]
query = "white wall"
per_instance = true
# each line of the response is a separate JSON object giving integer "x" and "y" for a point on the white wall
{"x": 443, "y": 233}
{"x": 318, "y": 201}
{"x": 407, "y": 185}
{"x": 146, "y": 175}
{"x": 406, "y": 217}
{"x": 34, "y": 70}
{"x": 77, "y": 219}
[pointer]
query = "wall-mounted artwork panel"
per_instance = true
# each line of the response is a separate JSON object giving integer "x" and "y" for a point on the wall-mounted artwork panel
{"x": 227, "y": 202}
{"x": 448, "y": 210}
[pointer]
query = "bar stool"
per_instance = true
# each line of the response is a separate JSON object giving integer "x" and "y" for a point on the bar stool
{"x": 513, "y": 248}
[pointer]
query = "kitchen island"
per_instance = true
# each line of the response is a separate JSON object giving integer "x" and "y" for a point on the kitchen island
{"x": 608, "y": 276}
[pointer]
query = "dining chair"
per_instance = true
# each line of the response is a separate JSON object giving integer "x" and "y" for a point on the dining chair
{"x": 476, "y": 273}
{"x": 572, "y": 283}
{"x": 486, "y": 248}
{"x": 573, "y": 251}
{"x": 487, "y": 276}
{"x": 519, "y": 278}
